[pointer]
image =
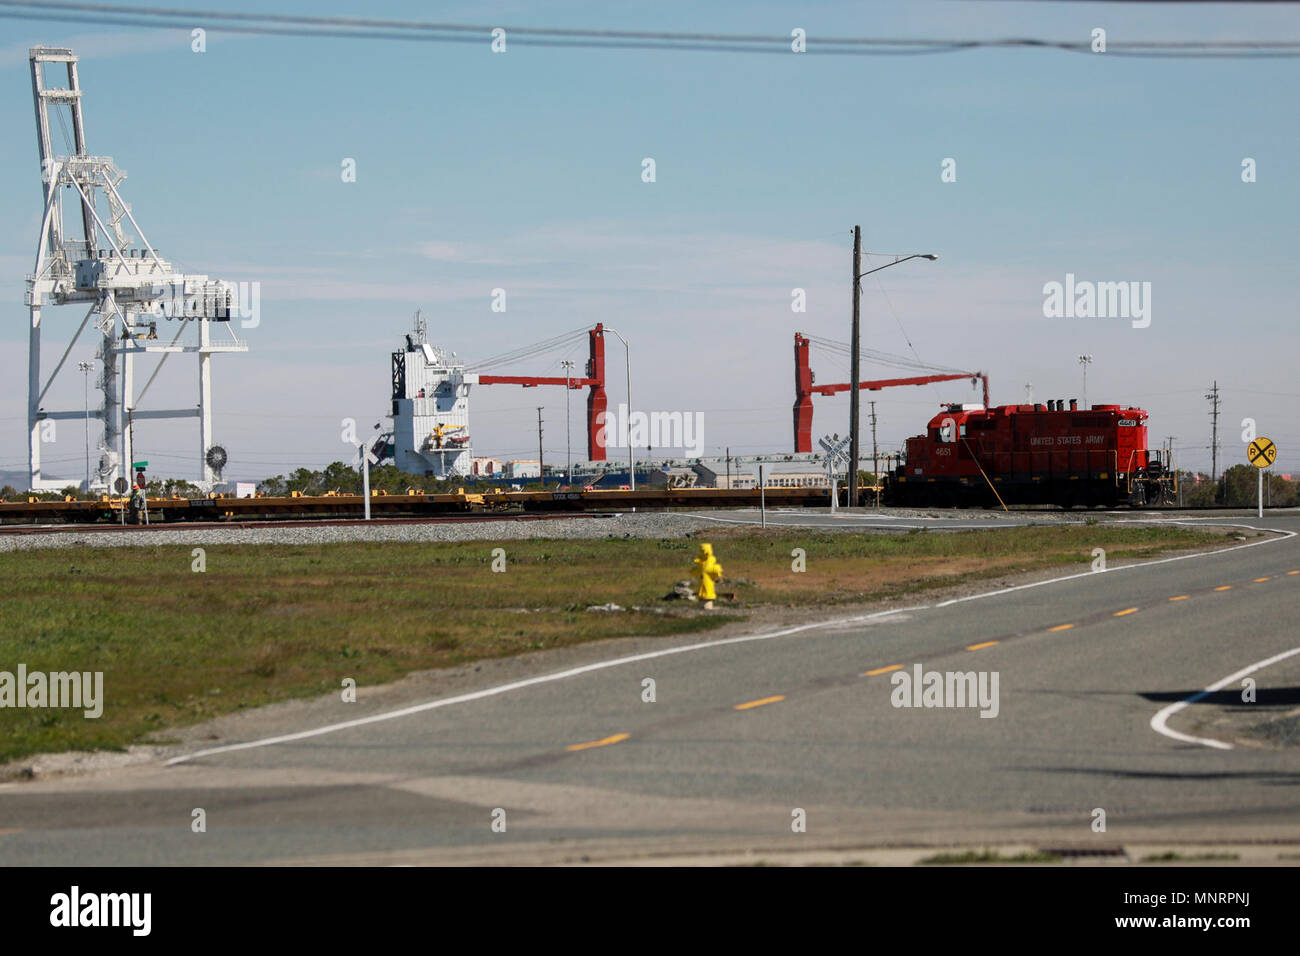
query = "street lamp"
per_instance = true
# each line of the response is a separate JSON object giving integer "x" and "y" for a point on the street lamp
{"x": 631, "y": 452}
{"x": 1085, "y": 361}
{"x": 568, "y": 446}
{"x": 856, "y": 351}
{"x": 87, "y": 368}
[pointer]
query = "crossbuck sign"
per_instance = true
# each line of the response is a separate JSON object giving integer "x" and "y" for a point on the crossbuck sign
{"x": 836, "y": 457}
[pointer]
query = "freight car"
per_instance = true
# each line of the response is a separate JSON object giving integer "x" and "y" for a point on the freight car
{"x": 1033, "y": 454}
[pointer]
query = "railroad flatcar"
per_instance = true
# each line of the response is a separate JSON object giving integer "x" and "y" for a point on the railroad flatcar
{"x": 1033, "y": 454}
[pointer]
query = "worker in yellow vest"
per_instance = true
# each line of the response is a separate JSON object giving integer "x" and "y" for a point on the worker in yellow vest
{"x": 706, "y": 569}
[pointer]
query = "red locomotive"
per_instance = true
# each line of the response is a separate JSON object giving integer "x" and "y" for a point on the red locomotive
{"x": 1033, "y": 454}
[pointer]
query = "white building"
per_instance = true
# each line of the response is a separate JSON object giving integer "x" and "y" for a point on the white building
{"x": 715, "y": 475}
{"x": 797, "y": 479}
{"x": 524, "y": 468}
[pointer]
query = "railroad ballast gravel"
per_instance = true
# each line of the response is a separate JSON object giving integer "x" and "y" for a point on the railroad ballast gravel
{"x": 623, "y": 525}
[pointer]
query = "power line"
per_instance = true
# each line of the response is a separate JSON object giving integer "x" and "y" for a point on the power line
{"x": 527, "y": 351}
{"x": 900, "y": 362}
{"x": 369, "y": 28}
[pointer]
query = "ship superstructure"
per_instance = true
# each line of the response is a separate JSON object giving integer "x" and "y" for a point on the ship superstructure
{"x": 430, "y": 408}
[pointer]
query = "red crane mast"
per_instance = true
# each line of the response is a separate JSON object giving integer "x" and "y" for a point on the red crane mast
{"x": 804, "y": 389}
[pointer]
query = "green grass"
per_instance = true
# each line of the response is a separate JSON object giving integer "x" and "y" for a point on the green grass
{"x": 273, "y": 623}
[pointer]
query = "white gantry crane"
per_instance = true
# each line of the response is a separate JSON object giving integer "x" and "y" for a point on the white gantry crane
{"x": 111, "y": 267}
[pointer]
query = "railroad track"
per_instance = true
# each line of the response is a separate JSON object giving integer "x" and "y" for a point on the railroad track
{"x": 506, "y": 504}
{"x": 323, "y": 522}
{"x": 35, "y": 515}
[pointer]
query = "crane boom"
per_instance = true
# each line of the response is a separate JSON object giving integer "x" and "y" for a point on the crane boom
{"x": 878, "y": 384}
{"x": 804, "y": 389}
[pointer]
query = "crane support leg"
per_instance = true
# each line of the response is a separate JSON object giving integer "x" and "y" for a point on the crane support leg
{"x": 803, "y": 406}
{"x": 597, "y": 402}
{"x": 34, "y": 398}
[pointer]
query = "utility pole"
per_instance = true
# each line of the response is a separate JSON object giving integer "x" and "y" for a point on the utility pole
{"x": 1169, "y": 452}
{"x": 540, "y": 475}
{"x": 728, "y": 467}
{"x": 855, "y": 375}
{"x": 875, "y": 458}
{"x": 365, "y": 478}
{"x": 568, "y": 447}
{"x": 855, "y": 450}
{"x": 1213, "y": 396}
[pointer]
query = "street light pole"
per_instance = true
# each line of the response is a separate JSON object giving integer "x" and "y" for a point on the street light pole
{"x": 855, "y": 359}
{"x": 1085, "y": 361}
{"x": 568, "y": 445}
{"x": 856, "y": 350}
{"x": 631, "y": 451}
{"x": 87, "y": 368}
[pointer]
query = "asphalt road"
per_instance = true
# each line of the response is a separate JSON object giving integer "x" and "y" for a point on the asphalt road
{"x": 746, "y": 732}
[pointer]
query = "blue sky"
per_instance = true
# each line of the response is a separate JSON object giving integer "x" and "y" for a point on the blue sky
{"x": 522, "y": 171}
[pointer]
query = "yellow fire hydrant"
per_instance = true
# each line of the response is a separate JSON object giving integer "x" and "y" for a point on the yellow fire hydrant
{"x": 706, "y": 569}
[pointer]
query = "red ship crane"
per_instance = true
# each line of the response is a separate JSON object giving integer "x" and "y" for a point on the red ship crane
{"x": 804, "y": 389}
{"x": 594, "y": 379}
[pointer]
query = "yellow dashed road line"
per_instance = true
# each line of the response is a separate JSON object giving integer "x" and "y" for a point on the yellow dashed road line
{"x": 1224, "y": 587}
{"x": 976, "y": 647}
{"x": 1257, "y": 580}
{"x": 1180, "y": 597}
{"x": 883, "y": 670}
{"x": 598, "y": 743}
{"x": 760, "y": 702}
{"x": 1128, "y": 610}
{"x": 1293, "y": 572}
{"x": 1061, "y": 627}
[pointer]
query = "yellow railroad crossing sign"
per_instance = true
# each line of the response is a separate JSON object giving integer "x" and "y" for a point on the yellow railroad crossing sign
{"x": 1261, "y": 452}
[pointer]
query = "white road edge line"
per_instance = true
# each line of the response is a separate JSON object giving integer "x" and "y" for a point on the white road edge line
{"x": 1159, "y": 723}
{"x": 1130, "y": 567}
{"x": 650, "y": 655}
{"x": 532, "y": 681}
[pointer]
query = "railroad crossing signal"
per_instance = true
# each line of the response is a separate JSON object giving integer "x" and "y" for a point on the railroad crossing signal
{"x": 1261, "y": 452}
{"x": 836, "y": 461}
{"x": 837, "y": 453}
